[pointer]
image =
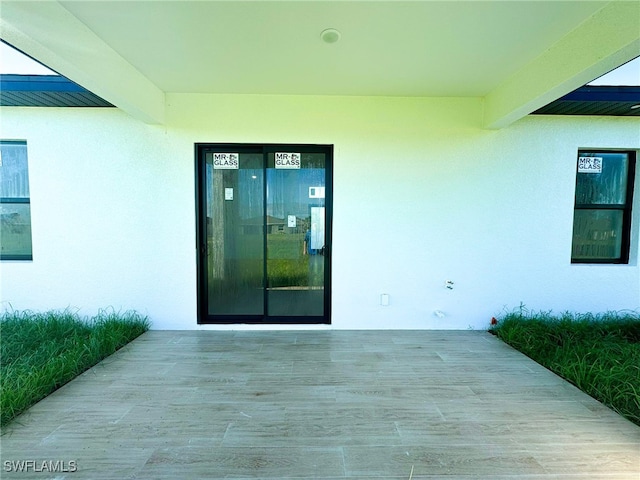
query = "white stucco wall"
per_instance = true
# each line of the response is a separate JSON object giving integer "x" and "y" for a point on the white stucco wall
{"x": 422, "y": 194}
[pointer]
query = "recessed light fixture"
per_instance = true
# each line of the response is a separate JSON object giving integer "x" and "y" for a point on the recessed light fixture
{"x": 330, "y": 35}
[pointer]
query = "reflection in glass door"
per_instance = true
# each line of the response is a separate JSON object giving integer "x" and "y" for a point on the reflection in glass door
{"x": 234, "y": 238}
{"x": 296, "y": 235}
{"x": 264, "y": 233}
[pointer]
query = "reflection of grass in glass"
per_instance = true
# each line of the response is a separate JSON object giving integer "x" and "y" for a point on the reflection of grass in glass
{"x": 288, "y": 273}
{"x": 281, "y": 245}
{"x": 287, "y": 266}
{"x": 282, "y": 272}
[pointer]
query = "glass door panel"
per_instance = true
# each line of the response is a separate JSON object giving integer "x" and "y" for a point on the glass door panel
{"x": 235, "y": 238}
{"x": 296, "y": 236}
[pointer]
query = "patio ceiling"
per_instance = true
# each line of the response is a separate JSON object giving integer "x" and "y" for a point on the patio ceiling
{"x": 517, "y": 55}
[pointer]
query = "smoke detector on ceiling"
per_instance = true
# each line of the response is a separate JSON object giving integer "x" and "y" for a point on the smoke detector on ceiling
{"x": 330, "y": 35}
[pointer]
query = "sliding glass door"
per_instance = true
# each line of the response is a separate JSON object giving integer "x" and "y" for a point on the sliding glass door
{"x": 264, "y": 233}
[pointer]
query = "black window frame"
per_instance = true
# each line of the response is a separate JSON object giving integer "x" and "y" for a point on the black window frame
{"x": 625, "y": 208}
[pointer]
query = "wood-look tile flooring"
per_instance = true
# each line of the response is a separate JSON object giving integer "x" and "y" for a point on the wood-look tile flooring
{"x": 322, "y": 404}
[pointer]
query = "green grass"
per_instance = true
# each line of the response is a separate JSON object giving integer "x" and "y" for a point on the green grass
{"x": 40, "y": 352}
{"x": 600, "y": 354}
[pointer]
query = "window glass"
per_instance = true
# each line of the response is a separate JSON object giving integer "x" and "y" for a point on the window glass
{"x": 607, "y": 187}
{"x": 597, "y": 234}
{"x": 15, "y": 207}
{"x": 602, "y": 215}
{"x": 15, "y": 230}
{"x": 14, "y": 176}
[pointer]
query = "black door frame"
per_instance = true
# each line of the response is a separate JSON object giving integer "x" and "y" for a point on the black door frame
{"x": 201, "y": 149}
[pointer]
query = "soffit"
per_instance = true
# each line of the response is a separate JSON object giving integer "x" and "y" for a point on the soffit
{"x": 45, "y": 91}
{"x": 620, "y": 101}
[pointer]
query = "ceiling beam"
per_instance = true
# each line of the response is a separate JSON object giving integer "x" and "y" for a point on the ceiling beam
{"x": 605, "y": 41}
{"x": 53, "y": 36}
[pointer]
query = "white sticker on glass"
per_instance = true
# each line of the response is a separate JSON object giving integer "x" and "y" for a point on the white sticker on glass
{"x": 589, "y": 164}
{"x": 226, "y": 161}
{"x": 287, "y": 160}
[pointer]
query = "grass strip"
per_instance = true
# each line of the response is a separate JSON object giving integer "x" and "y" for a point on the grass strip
{"x": 40, "y": 352}
{"x": 599, "y": 353}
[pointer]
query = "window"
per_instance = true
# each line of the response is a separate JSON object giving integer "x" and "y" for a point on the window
{"x": 602, "y": 215}
{"x": 15, "y": 208}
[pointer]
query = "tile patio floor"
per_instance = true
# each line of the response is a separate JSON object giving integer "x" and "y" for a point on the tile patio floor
{"x": 322, "y": 404}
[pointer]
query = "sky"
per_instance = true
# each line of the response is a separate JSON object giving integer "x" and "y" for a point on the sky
{"x": 13, "y": 61}
{"x": 627, "y": 74}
